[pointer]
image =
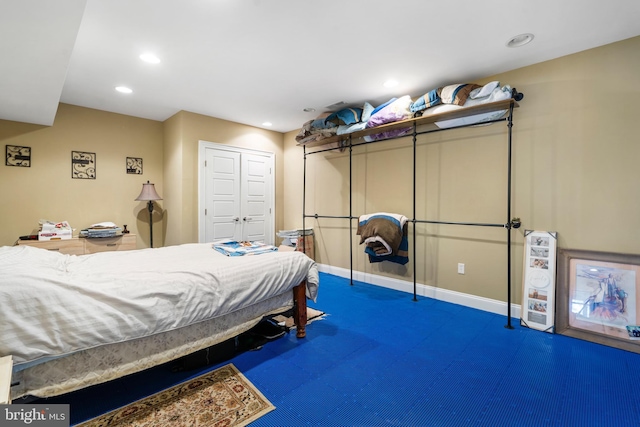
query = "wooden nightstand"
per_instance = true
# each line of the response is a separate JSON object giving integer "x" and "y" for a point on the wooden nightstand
{"x": 125, "y": 242}
{"x": 72, "y": 246}
{"x": 84, "y": 245}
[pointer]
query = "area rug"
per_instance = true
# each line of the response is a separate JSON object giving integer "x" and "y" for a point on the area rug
{"x": 223, "y": 397}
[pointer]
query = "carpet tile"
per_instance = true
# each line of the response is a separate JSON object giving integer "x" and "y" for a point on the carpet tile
{"x": 381, "y": 359}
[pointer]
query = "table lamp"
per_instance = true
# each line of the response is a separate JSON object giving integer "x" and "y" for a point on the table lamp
{"x": 149, "y": 194}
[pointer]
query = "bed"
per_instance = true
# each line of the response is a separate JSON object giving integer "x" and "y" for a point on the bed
{"x": 74, "y": 321}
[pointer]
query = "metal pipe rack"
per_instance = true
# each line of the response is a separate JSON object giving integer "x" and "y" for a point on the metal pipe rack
{"x": 344, "y": 142}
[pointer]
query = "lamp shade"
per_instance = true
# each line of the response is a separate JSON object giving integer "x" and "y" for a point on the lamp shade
{"x": 148, "y": 193}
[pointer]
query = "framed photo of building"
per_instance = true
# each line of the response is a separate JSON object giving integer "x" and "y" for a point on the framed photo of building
{"x": 538, "y": 293}
{"x": 599, "y": 297}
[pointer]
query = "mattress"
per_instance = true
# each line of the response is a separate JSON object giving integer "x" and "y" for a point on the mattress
{"x": 109, "y": 362}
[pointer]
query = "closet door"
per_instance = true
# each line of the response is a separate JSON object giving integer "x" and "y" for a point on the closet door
{"x": 222, "y": 195}
{"x": 255, "y": 204}
{"x": 236, "y": 190}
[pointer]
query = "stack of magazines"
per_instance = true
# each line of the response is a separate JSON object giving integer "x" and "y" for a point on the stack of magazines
{"x": 102, "y": 229}
{"x": 291, "y": 236}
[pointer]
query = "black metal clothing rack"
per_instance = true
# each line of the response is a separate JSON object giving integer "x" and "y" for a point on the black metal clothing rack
{"x": 347, "y": 142}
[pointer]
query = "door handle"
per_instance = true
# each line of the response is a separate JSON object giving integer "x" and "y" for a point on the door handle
{"x": 246, "y": 218}
{"x": 236, "y": 219}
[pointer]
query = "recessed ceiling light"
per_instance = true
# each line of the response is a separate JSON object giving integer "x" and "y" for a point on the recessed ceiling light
{"x": 520, "y": 40}
{"x": 150, "y": 58}
{"x": 123, "y": 89}
{"x": 391, "y": 83}
{"x": 267, "y": 124}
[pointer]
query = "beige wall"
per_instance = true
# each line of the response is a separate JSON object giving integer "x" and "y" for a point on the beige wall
{"x": 170, "y": 160}
{"x": 173, "y": 167}
{"x": 575, "y": 171}
{"x": 182, "y": 135}
{"x": 46, "y": 190}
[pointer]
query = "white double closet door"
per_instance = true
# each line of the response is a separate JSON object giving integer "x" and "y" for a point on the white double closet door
{"x": 236, "y": 194}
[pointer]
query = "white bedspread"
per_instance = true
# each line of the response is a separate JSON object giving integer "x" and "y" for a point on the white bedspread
{"x": 53, "y": 304}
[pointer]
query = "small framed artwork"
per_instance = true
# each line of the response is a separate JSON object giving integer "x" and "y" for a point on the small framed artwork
{"x": 598, "y": 297}
{"x": 538, "y": 293}
{"x": 134, "y": 165}
{"x": 18, "y": 156}
{"x": 83, "y": 165}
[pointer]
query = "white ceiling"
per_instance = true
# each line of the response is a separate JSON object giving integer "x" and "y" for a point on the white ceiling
{"x": 251, "y": 61}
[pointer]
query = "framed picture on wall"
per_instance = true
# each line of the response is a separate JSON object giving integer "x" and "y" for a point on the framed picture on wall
{"x": 18, "y": 156}
{"x": 538, "y": 293}
{"x": 134, "y": 165}
{"x": 83, "y": 165}
{"x": 599, "y": 297}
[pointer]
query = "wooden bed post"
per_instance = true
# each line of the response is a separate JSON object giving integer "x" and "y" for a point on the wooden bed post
{"x": 300, "y": 309}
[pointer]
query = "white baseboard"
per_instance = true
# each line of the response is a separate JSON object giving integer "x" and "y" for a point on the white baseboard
{"x": 468, "y": 300}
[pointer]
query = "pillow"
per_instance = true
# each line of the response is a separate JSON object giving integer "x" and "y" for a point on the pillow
{"x": 381, "y": 106}
{"x": 427, "y": 100}
{"x": 456, "y": 94}
{"x": 346, "y": 116}
{"x": 484, "y": 90}
{"x": 394, "y": 112}
{"x": 367, "y": 109}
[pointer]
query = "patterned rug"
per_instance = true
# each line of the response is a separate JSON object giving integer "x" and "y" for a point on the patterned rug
{"x": 223, "y": 397}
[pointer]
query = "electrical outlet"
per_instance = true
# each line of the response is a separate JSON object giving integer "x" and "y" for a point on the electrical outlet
{"x": 460, "y": 268}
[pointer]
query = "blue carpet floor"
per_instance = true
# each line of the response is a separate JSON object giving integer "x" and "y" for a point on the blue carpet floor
{"x": 381, "y": 359}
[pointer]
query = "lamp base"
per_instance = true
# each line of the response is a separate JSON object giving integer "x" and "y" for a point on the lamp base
{"x": 150, "y": 207}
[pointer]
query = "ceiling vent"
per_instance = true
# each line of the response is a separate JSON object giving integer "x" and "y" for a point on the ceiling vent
{"x": 337, "y": 106}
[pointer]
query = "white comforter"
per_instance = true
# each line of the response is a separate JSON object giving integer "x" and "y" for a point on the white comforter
{"x": 53, "y": 304}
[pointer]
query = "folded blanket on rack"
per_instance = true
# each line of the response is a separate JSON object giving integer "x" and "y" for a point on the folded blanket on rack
{"x": 234, "y": 248}
{"x": 385, "y": 235}
{"x": 403, "y": 251}
{"x": 315, "y": 130}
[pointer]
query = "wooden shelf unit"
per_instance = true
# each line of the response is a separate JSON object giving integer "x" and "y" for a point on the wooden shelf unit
{"x": 422, "y": 121}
